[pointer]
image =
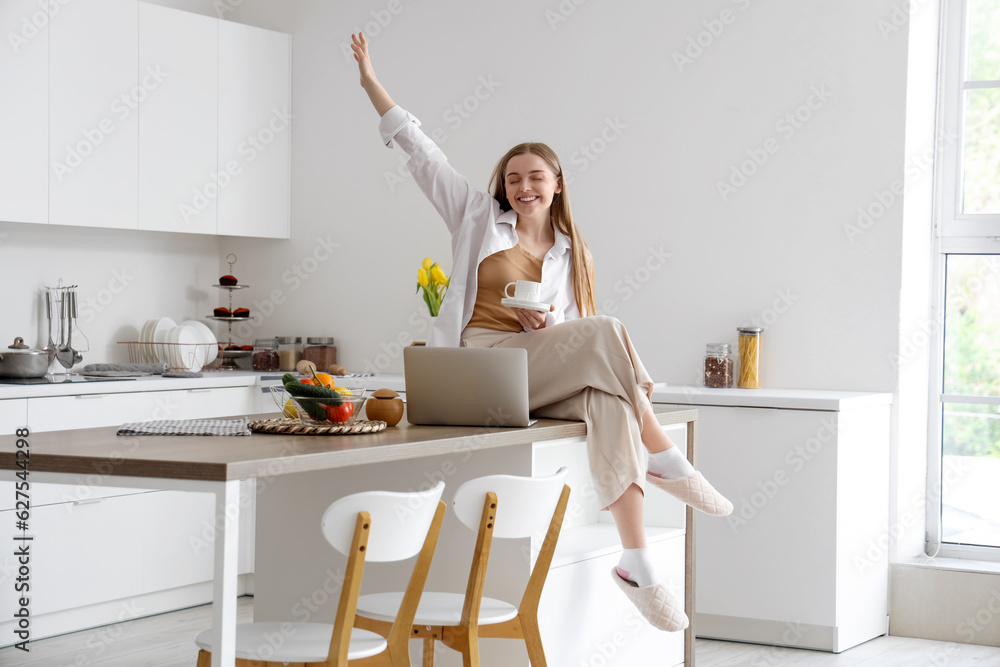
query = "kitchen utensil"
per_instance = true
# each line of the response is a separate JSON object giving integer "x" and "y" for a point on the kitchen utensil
{"x": 73, "y": 315}
{"x": 64, "y": 353}
{"x": 19, "y": 361}
{"x": 50, "y": 313}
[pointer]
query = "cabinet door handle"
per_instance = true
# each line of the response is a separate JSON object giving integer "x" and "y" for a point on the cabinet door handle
{"x": 199, "y": 391}
{"x": 90, "y": 395}
{"x": 88, "y": 501}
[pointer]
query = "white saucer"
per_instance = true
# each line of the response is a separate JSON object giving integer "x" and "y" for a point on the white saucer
{"x": 528, "y": 305}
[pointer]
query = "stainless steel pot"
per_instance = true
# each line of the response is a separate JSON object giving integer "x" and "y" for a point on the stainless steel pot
{"x": 18, "y": 361}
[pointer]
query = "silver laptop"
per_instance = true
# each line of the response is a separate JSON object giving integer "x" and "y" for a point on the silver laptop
{"x": 466, "y": 386}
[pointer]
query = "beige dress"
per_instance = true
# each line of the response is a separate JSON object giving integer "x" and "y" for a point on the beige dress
{"x": 584, "y": 369}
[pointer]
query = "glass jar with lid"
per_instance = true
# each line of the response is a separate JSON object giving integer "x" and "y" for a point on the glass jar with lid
{"x": 289, "y": 352}
{"x": 321, "y": 351}
{"x": 718, "y": 366}
{"x": 265, "y": 354}
{"x": 749, "y": 343}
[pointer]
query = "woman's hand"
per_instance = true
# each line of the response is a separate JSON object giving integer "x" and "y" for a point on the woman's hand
{"x": 376, "y": 93}
{"x": 360, "y": 47}
{"x": 531, "y": 319}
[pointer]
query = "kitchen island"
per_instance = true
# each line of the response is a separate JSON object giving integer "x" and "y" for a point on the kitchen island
{"x": 287, "y": 467}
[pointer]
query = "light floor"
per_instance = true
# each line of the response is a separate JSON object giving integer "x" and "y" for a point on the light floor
{"x": 167, "y": 641}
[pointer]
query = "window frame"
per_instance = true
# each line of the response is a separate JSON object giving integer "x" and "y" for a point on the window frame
{"x": 956, "y": 233}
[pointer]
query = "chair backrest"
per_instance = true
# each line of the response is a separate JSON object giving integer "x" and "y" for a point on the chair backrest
{"x": 399, "y": 522}
{"x": 525, "y": 507}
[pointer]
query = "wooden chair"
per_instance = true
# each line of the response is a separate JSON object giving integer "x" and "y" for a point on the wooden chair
{"x": 376, "y": 526}
{"x": 498, "y": 506}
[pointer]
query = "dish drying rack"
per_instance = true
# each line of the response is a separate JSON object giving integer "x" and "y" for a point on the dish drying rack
{"x": 172, "y": 354}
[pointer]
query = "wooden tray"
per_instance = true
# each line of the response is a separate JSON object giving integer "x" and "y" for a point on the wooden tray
{"x": 295, "y": 427}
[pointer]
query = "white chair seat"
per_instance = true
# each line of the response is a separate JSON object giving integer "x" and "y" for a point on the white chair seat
{"x": 302, "y": 642}
{"x": 434, "y": 608}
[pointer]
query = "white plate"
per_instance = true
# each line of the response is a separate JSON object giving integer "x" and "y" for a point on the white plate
{"x": 171, "y": 352}
{"x": 529, "y": 305}
{"x": 160, "y": 333}
{"x": 190, "y": 352}
{"x": 207, "y": 337}
{"x": 145, "y": 340}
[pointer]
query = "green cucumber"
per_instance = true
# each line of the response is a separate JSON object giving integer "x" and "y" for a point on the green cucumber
{"x": 315, "y": 409}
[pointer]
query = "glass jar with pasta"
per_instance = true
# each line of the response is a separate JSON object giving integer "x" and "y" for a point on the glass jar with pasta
{"x": 749, "y": 348}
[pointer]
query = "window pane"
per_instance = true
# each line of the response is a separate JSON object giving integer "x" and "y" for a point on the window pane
{"x": 984, "y": 43}
{"x": 981, "y": 162}
{"x": 972, "y": 325}
{"x": 970, "y": 474}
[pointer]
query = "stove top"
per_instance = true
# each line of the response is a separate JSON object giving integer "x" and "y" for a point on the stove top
{"x": 59, "y": 379}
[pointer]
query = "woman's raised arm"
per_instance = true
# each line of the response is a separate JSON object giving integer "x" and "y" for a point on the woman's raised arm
{"x": 376, "y": 93}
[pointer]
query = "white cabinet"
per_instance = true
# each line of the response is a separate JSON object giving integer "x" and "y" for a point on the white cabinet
{"x": 58, "y": 413}
{"x": 798, "y": 563}
{"x": 580, "y": 576}
{"x": 138, "y": 116}
{"x": 24, "y": 129}
{"x": 82, "y": 554}
{"x": 98, "y": 546}
{"x": 95, "y": 88}
{"x": 178, "y": 122}
{"x": 254, "y": 131}
{"x": 13, "y": 415}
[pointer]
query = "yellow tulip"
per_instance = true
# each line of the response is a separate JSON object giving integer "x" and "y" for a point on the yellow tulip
{"x": 427, "y": 264}
{"x": 437, "y": 275}
{"x": 422, "y": 277}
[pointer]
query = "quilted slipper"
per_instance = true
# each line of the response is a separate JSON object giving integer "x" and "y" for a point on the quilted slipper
{"x": 695, "y": 491}
{"x": 656, "y": 604}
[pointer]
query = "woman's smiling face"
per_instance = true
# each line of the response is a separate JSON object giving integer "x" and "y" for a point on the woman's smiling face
{"x": 530, "y": 184}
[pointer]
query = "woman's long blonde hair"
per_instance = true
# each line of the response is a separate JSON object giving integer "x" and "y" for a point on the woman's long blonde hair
{"x": 562, "y": 217}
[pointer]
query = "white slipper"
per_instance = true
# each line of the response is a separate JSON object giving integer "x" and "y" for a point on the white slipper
{"x": 655, "y": 602}
{"x": 695, "y": 491}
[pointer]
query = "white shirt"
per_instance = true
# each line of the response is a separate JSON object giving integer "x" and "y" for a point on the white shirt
{"x": 478, "y": 229}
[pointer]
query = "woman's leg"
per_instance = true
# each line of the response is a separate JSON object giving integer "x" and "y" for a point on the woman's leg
{"x": 627, "y": 513}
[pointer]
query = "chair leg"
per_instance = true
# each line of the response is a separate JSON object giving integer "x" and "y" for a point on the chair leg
{"x": 428, "y": 652}
{"x": 533, "y": 642}
{"x": 204, "y": 659}
{"x": 470, "y": 654}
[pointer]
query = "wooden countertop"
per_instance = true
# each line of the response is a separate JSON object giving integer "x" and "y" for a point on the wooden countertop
{"x": 101, "y": 451}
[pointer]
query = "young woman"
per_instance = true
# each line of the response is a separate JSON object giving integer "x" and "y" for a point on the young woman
{"x": 581, "y": 366}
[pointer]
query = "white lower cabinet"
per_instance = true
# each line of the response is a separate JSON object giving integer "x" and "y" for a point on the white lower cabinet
{"x": 101, "y": 553}
{"x": 13, "y": 415}
{"x": 59, "y": 413}
{"x": 798, "y": 562}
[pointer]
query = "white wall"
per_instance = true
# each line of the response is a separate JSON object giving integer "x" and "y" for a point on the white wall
{"x": 776, "y": 250}
{"x": 565, "y": 74}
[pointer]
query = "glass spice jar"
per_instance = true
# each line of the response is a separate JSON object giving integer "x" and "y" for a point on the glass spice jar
{"x": 749, "y": 344}
{"x": 265, "y": 354}
{"x": 289, "y": 352}
{"x": 718, "y": 366}
{"x": 321, "y": 351}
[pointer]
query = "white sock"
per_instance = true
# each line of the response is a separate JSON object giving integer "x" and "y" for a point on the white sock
{"x": 670, "y": 463}
{"x": 637, "y": 566}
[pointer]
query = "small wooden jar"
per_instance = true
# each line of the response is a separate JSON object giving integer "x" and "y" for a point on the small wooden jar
{"x": 385, "y": 405}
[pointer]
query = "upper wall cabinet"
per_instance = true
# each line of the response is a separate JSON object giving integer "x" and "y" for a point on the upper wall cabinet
{"x": 178, "y": 122}
{"x": 254, "y": 131}
{"x": 95, "y": 90}
{"x": 123, "y": 114}
{"x": 24, "y": 129}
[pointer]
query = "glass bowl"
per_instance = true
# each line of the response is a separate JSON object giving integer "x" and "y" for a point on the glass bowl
{"x": 326, "y": 412}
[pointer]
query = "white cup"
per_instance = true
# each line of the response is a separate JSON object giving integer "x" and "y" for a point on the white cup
{"x": 524, "y": 290}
